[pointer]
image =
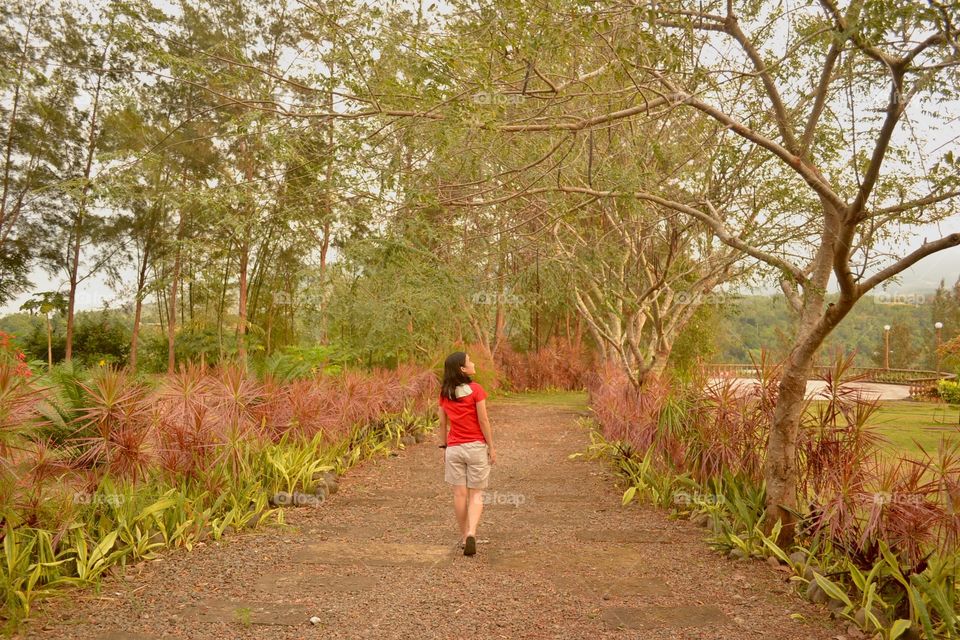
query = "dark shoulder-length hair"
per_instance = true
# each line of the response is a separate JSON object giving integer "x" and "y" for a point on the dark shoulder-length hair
{"x": 453, "y": 376}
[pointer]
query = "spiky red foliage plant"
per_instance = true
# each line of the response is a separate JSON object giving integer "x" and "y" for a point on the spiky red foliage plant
{"x": 236, "y": 396}
{"x": 562, "y": 363}
{"x": 187, "y": 433}
{"x": 334, "y": 404}
{"x": 41, "y": 466}
{"x": 18, "y": 413}
{"x": 116, "y": 417}
{"x": 857, "y": 494}
{"x": 726, "y": 431}
{"x": 420, "y": 388}
{"x": 632, "y": 416}
{"x": 200, "y": 418}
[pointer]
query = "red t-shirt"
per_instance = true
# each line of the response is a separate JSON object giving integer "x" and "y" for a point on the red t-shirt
{"x": 464, "y": 422}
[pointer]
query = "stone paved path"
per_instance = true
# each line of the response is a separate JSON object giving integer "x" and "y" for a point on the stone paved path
{"x": 559, "y": 558}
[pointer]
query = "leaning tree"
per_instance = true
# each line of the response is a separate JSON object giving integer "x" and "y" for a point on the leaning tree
{"x": 844, "y": 103}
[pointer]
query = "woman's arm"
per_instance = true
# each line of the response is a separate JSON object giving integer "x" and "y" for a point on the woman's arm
{"x": 444, "y": 425}
{"x": 486, "y": 428}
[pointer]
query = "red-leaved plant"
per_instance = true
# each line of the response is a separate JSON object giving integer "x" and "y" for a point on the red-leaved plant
{"x": 856, "y": 494}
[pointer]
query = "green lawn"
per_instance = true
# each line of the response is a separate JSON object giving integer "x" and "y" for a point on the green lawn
{"x": 570, "y": 399}
{"x": 907, "y": 424}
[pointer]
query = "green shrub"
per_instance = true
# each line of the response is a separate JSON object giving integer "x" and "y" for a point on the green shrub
{"x": 191, "y": 343}
{"x": 35, "y": 341}
{"x": 949, "y": 391}
{"x": 294, "y": 363}
{"x": 101, "y": 338}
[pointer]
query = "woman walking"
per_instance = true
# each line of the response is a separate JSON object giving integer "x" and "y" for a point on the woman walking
{"x": 467, "y": 443}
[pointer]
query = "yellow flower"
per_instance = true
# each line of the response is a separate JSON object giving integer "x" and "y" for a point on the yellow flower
{"x": 103, "y": 362}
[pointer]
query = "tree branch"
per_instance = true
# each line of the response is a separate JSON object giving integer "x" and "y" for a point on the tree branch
{"x": 913, "y": 204}
{"x": 715, "y": 224}
{"x": 732, "y": 27}
{"x": 895, "y": 108}
{"x": 807, "y": 172}
{"x": 820, "y": 99}
{"x": 928, "y": 248}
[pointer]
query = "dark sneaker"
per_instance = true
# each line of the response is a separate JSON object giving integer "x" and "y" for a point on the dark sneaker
{"x": 470, "y": 547}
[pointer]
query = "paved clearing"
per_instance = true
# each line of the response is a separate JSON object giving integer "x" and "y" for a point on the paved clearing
{"x": 559, "y": 558}
{"x": 869, "y": 390}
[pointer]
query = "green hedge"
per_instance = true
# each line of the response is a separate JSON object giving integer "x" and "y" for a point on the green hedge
{"x": 949, "y": 391}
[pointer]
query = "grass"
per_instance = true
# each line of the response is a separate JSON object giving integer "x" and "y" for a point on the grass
{"x": 569, "y": 399}
{"x": 909, "y": 424}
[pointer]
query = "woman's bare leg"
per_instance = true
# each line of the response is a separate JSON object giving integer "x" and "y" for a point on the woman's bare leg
{"x": 474, "y": 511}
{"x": 460, "y": 508}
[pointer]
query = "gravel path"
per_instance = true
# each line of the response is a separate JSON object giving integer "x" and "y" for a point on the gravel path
{"x": 558, "y": 558}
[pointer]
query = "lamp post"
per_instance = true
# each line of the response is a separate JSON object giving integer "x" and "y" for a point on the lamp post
{"x": 938, "y": 326}
{"x": 886, "y": 346}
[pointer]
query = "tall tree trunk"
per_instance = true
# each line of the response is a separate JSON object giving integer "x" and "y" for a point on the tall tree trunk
{"x": 223, "y": 304}
{"x": 183, "y": 297}
{"x": 49, "y": 343}
{"x": 324, "y": 247}
{"x": 242, "y": 307}
{"x": 327, "y": 205}
{"x": 781, "y": 472}
{"x": 815, "y": 323}
{"x": 138, "y": 312}
{"x": 81, "y": 211}
{"x": 72, "y": 296}
{"x": 135, "y": 334}
{"x": 551, "y": 329}
{"x": 247, "y": 158}
{"x": 161, "y": 304}
{"x": 190, "y": 294}
{"x": 261, "y": 271}
{"x": 537, "y": 304}
{"x": 172, "y": 302}
{"x": 499, "y": 322}
{"x": 578, "y": 334}
{"x": 269, "y": 345}
{"x": 500, "y": 315}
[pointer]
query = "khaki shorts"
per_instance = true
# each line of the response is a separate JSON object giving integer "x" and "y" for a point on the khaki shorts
{"x": 467, "y": 464}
